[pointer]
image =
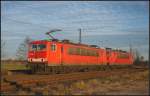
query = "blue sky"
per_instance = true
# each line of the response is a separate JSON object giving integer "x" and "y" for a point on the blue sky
{"x": 115, "y": 23}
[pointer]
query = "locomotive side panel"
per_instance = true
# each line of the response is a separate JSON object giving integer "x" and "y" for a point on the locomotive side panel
{"x": 121, "y": 58}
{"x": 54, "y": 53}
{"x": 118, "y": 57}
{"x": 124, "y": 58}
{"x": 112, "y": 58}
{"x": 102, "y": 57}
{"x": 79, "y": 55}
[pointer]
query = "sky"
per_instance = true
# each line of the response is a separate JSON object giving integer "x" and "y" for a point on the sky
{"x": 114, "y": 24}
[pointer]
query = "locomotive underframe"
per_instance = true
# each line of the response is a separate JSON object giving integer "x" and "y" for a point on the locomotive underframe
{"x": 59, "y": 69}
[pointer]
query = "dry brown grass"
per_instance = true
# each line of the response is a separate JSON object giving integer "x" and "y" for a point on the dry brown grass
{"x": 126, "y": 84}
{"x": 135, "y": 83}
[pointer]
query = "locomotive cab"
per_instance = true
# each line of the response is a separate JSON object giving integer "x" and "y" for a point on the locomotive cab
{"x": 37, "y": 52}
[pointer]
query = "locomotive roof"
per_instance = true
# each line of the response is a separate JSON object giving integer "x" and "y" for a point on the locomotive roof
{"x": 65, "y": 41}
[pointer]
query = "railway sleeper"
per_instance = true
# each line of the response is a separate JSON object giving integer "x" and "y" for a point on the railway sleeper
{"x": 8, "y": 88}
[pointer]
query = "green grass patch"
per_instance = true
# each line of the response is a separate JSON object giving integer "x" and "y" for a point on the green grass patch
{"x": 13, "y": 66}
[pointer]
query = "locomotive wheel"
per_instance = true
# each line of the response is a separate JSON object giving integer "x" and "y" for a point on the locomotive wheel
{"x": 33, "y": 69}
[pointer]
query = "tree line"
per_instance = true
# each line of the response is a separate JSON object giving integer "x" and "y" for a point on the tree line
{"x": 21, "y": 52}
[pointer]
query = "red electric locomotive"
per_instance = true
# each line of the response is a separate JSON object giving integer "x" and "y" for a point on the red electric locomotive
{"x": 54, "y": 56}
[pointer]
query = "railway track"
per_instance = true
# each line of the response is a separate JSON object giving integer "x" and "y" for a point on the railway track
{"x": 7, "y": 87}
{"x": 35, "y": 82}
{"x": 102, "y": 69}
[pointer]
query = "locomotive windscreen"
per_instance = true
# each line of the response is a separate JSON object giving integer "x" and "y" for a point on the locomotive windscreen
{"x": 33, "y": 47}
{"x": 36, "y": 47}
{"x": 41, "y": 46}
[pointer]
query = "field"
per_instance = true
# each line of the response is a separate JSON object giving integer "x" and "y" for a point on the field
{"x": 116, "y": 82}
{"x": 13, "y": 65}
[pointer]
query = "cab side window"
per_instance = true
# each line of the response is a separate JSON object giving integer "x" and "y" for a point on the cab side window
{"x": 53, "y": 47}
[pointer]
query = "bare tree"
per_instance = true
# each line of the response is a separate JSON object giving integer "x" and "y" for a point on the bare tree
{"x": 23, "y": 49}
{"x": 142, "y": 58}
{"x": 137, "y": 57}
{"x": 3, "y": 53}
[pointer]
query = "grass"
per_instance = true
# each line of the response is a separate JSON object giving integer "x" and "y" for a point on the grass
{"x": 13, "y": 66}
{"x": 135, "y": 83}
{"x": 126, "y": 84}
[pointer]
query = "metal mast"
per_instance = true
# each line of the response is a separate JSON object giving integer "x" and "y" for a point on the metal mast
{"x": 79, "y": 35}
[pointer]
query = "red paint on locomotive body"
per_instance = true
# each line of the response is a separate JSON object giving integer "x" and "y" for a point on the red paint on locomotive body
{"x": 75, "y": 58}
{"x": 58, "y": 52}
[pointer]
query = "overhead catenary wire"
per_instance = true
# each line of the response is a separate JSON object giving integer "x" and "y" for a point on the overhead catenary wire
{"x": 41, "y": 26}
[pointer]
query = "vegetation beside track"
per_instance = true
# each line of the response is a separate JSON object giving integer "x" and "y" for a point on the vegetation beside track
{"x": 123, "y": 82}
{"x": 13, "y": 65}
